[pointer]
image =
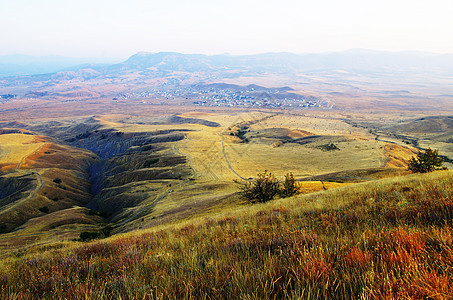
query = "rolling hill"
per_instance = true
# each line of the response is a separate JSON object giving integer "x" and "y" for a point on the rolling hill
{"x": 388, "y": 239}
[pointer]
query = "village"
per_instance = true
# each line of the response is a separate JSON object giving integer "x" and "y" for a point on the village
{"x": 230, "y": 96}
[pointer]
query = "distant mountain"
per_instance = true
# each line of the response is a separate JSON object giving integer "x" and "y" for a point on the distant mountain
{"x": 356, "y": 60}
{"x": 177, "y": 67}
{"x": 18, "y": 65}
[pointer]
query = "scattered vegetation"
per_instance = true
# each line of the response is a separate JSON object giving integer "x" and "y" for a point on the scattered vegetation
{"x": 328, "y": 147}
{"x": 266, "y": 186}
{"x": 426, "y": 161}
{"x": 262, "y": 189}
{"x": 388, "y": 239}
{"x": 148, "y": 163}
{"x": 289, "y": 187}
{"x": 44, "y": 209}
{"x": 57, "y": 180}
{"x": 240, "y": 133}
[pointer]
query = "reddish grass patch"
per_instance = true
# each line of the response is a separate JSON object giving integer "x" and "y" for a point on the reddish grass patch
{"x": 356, "y": 257}
{"x": 316, "y": 269}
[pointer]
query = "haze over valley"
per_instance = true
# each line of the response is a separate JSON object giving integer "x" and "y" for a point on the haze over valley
{"x": 289, "y": 169}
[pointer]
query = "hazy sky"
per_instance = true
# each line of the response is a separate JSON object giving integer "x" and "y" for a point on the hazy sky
{"x": 120, "y": 28}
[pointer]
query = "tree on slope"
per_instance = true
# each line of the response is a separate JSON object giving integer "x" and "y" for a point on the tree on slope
{"x": 427, "y": 161}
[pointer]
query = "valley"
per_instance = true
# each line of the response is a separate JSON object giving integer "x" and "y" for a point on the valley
{"x": 117, "y": 175}
{"x": 68, "y": 176}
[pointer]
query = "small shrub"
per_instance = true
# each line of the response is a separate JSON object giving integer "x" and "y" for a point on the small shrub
{"x": 86, "y": 236}
{"x": 106, "y": 231}
{"x": 328, "y": 147}
{"x": 57, "y": 180}
{"x": 44, "y": 209}
{"x": 290, "y": 186}
{"x": 150, "y": 162}
{"x": 262, "y": 189}
{"x": 92, "y": 212}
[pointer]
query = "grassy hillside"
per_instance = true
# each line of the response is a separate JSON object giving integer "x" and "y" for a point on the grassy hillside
{"x": 385, "y": 239}
{"x": 38, "y": 177}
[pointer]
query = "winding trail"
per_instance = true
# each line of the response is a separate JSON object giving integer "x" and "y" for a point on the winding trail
{"x": 35, "y": 190}
{"x": 146, "y": 209}
{"x": 226, "y": 159}
{"x": 21, "y": 161}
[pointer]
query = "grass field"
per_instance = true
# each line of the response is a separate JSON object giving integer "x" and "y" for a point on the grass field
{"x": 41, "y": 211}
{"x": 387, "y": 239}
{"x": 214, "y": 160}
{"x": 14, "y": 148}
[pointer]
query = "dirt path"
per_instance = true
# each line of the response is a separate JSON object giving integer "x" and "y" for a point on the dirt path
{"x": 27, "y": 155}
{"x": 35, "y": 190}
{"x": 226, "y": 159}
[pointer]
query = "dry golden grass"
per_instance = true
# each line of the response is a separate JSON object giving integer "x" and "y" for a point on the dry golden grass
{"x": 302, "y": 160}
{"x": 44, "y": 200}
{"x": 211, "y": 189}
{"x": 14, "y": 148}
{"x": 388, "y": 239}
{"x": 203, "y": 146}
{"x": 61, "y": 226}
{"x": 397, "y": 156}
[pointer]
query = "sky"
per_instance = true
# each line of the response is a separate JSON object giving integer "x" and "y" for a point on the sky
{"x": 121, "y": 28}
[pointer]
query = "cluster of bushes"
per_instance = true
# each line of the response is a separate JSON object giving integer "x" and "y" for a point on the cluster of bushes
{"x": 328, "y": 147}
{"x": 240, "y": 133}
{"x": 150, "y": 162}
{"x": 86, "y": 236}
{"x": 266, "y": 186}
{"x": 58, "y": 181}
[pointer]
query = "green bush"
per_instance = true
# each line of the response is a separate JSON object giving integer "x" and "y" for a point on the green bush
{"x": 86, "y": 236}
{"x": 44, "y": 209}
{"x": 262, "y": 189}
{"x": 150, "y": 162}
{"x": 427, "y": 161}
{"x": 290, "y": 187}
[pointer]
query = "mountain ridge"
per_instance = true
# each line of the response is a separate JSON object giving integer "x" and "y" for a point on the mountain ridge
{"x": 353, "y": 59}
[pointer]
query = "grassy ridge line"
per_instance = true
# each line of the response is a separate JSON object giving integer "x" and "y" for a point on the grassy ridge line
{"x": 387, "y": 239}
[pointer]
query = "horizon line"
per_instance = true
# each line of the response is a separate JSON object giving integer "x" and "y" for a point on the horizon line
{"x": 225, "y": 53}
